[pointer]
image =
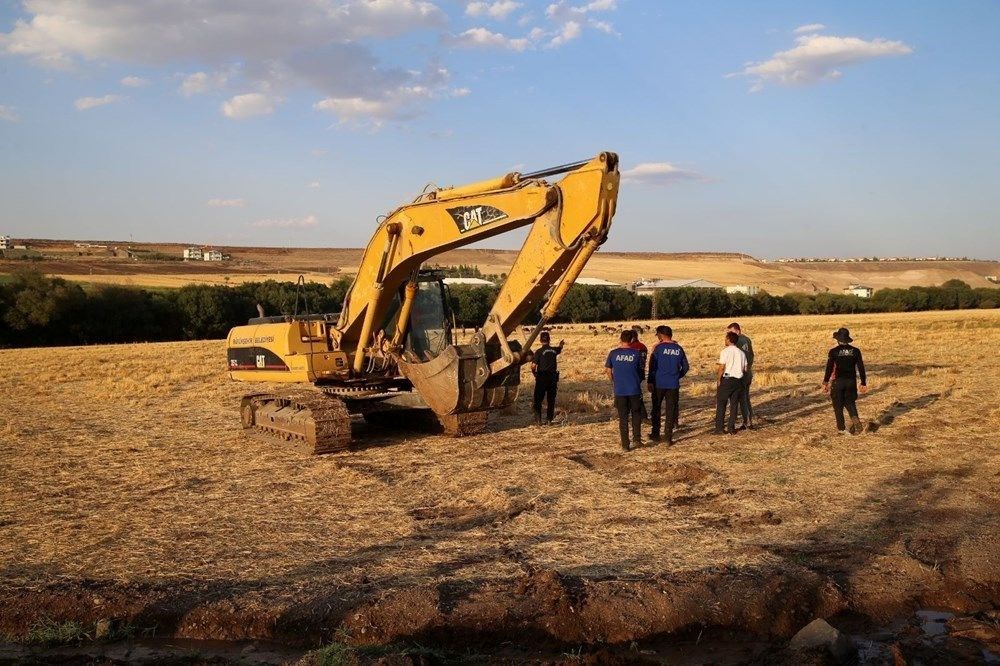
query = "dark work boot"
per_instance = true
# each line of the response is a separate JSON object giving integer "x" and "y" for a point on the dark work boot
{"x": 538, "y": 419}
{"x": 625, "y": 446}
{"x": 856, "y": 427}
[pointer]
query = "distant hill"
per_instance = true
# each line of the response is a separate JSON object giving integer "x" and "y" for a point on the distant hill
{"x": 101, "y": 263}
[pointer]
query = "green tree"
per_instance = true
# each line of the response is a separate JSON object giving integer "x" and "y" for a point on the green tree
{"x": 209, "y": 312}
{"x": 471, "y": 303}
{"x": 40, "y": 310}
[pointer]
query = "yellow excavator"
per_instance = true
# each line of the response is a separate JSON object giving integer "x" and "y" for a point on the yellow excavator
{"x": 392, "y": 346}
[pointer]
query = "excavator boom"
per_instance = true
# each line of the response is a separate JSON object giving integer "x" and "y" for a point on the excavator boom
{"x": 371, "y": 348}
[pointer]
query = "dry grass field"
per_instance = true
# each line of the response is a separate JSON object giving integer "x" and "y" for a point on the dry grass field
{"x": 323, "y": 264}
{"x": 128, "y": 490}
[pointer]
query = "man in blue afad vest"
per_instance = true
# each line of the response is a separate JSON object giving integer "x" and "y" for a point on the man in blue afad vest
{"x": 625, "y": 368}
{"x": 667, "y": 364}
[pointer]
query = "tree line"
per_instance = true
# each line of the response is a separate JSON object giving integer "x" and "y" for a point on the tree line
{"x": 36, "y": 310}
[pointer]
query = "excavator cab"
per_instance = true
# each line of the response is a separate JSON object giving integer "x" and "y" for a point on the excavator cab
{"x": 430, "y": 330}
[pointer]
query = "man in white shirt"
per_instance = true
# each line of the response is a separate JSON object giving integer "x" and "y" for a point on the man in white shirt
{"x": 732, "y": 364}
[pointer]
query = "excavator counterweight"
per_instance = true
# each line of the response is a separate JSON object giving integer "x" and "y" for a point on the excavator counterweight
{"x": 392, "y": 348}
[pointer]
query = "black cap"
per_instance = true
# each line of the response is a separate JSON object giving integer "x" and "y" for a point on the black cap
{"x": 842, "y": 335}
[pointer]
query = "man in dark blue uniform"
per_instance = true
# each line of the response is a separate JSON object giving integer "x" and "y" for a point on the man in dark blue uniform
{"x": 624, "y": 366}
{"x": 544, "y": 366}
{"x": 843, "y": 367}
{"x": 667, "y": 364}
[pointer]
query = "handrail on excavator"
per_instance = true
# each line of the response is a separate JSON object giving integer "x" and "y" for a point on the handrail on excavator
{"x": 552, "y": 171}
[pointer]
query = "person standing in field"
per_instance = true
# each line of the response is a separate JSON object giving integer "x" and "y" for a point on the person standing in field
{"x": 745, "y": 344}
{"x": 624, "y": 368}
{"x": 544, "y": 366}
{"x": 667, "y": 365}
{"x": 732, "y": 364}
{"x": 638, "y": 345}
{"x": 843, "y": 367}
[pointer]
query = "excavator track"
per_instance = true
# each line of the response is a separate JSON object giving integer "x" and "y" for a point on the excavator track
{"x": 304, "y": 418}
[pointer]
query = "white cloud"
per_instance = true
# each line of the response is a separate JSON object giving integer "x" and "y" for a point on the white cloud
{"x": 134, "y": 82}
{"x": 307, "y": 222}
{"x": 603, "y": 26}
{"x": 226, "y": 203}
{"x": 817, "y": 58}
{"x": 314, "y": 185}
{"x": 161, "y": 32}
{"x": 249, "y": 105}
{"x": 194, "y": 84}
{"x": 569, "y": 31}
{"x": 319, "y": 152}
{"x": 202, "y": 82}
{"x": 563, "y": 9}
{"x": 809, "y": 28}
{"x": 272, "y": 47}
{"x": 403, "y": 101}
{"x": 498, "y": 10}
{"x": 658, "y": 173}
{"x": 360, "y": 111}
{"x": 483, "y": 38}
{"x": 85, "y": 103}
{"x": 459, "y": 92}
{"x": 570, "y": 20}
{"x": 7, "y": 113}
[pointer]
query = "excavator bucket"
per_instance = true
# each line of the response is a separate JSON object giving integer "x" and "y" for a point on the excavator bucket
{"x": 458, "y": 381}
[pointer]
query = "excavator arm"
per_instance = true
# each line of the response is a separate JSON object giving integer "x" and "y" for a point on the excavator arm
{"x": 389, "y": 326}
{"x": 569, "y": 219}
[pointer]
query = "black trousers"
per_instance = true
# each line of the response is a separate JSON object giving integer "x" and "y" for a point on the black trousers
{"x": 546, "y": 384}
{"x": 672, "y": 399}
{"x": 844, "y": 394}
{"x": 629, "y": 409}
{"x": 746, "y": 410}
{"x": 728, "y": 392}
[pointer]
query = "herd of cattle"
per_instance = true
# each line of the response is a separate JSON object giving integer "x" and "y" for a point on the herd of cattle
{"x": 596, "y": 329}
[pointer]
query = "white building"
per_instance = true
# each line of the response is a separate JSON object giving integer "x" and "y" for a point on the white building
{"x": 598, "y": 282}
{"x": 748, "y": 289}
{"x": 471, "y": 281}
{"x": 193, "y": 253}
{"x": 212, "y": 255}
{"x": 650, "y": 287}
{"x": 4, "y": 242}
{"x": 860, "y": 291}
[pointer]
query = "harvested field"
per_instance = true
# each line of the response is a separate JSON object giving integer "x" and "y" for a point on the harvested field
{"x": 127, "y": 491}
{"x": 64, "y": 259}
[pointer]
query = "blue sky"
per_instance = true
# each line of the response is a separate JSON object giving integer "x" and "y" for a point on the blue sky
{"x": 778, "y": 128}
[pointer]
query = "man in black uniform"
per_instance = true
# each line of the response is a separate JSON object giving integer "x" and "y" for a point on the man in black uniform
{"x": 843, "y": 367}
{"x": 545, "y": 368}
{"x": 744, "y": 343}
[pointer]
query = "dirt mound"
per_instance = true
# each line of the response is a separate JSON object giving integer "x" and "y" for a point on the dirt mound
{"x": 543, "y": 606}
